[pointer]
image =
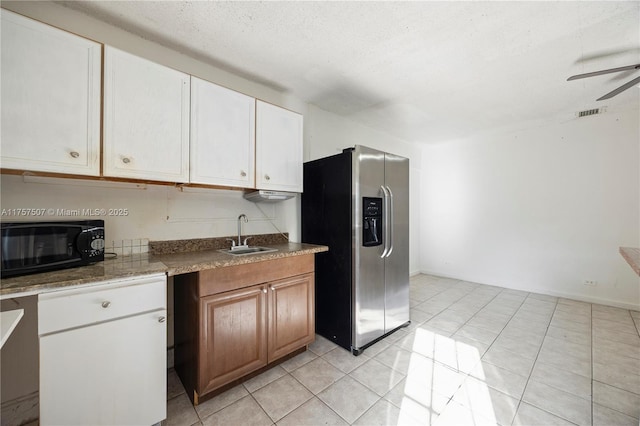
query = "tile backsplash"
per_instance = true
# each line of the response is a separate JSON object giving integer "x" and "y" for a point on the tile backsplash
{"x": 128, "y": 247}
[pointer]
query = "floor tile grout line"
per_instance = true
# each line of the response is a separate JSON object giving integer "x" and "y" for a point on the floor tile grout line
{"x": 263, "y": 410}
{"x": 492, "y": 343}
{"x": 529, "y": 378}
{"x": 323, "y": 389}
{"x": 633, "y": 321}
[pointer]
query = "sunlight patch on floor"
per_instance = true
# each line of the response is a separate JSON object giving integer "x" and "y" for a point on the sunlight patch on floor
{"x": 437, "y": 389}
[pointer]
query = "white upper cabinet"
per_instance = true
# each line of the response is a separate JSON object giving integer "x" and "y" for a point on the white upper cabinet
{"x": 222, "y": 136}
{"x": 146, "y": 119}
{"x": 50, "y": 98}
{"x": 278, "y": 148}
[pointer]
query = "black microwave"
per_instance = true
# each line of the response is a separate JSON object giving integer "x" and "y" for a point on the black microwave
{"x": 30, "y": 247}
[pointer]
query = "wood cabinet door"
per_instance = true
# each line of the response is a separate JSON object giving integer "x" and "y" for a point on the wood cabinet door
{"x": 110, "y": 373}
{"x": 222, "y": 140}
{"x": 291, "y": 315}
{"x": 50, "y": 98}
{"x": 233, "y": 336}
{"x": 278, "y": 148}
{"x": 146, "y": 119}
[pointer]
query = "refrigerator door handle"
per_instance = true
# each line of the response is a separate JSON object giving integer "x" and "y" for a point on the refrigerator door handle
{"x": 385, "y": 236}
{"x": 390, "y": 221}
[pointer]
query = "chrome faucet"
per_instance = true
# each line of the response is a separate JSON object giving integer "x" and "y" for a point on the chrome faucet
{"x": 240, "y": 244}
{"x": 242, "y": 216}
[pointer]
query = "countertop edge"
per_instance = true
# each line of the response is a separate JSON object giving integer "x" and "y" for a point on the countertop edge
{"x": 241, "y": 260}
{"x": 632, "y": 256}
{"x": 125, "y": 267}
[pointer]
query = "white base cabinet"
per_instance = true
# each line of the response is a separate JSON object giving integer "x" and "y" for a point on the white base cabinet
{"x": 103, "y": 353}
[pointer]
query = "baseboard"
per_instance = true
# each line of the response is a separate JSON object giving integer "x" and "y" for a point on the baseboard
{"x": 21, "y": 411}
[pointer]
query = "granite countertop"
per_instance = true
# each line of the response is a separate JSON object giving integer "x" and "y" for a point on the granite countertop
{"x": 182, "y": 263}
{"x": 171, "y": 257}
{"x": 121, "y": 267}
{"x": 632, "y": 256}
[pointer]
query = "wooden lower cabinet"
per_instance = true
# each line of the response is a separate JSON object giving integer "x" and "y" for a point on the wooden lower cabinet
{"x": 233, "y": 335}
{"x": 291, "y": 315}
{"x": 229, "y": 324}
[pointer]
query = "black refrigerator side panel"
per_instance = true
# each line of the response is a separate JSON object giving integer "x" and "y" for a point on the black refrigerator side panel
{"x": 326, "y": 220}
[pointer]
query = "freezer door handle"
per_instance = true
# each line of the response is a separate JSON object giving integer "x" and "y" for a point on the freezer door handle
{"x": 385, "y": 235}
{"x": 390, "y": 222}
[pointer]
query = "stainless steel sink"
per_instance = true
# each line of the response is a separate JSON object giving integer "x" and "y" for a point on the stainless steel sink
{"x": 248, "y": 250}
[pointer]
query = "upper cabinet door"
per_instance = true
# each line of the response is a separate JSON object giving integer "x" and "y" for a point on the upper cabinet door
{"x": 146, "y": 119}
{"x": 50, "y": 98}
{"x": 222, "y": 136}
{"x": 278, "y": 148}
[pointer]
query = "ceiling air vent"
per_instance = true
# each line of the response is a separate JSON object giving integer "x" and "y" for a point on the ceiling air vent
{"x": 588, "y": 112}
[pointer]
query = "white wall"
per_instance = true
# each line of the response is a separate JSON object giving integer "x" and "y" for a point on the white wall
{"x": 541, "y": 210}
{"x": 155, "y": 212}
{"x": 328, "y": 134}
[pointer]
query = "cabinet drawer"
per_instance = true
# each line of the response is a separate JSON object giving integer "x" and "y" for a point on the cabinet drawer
{"x": 99, "y": 302}
{"x": 218, "y": 280}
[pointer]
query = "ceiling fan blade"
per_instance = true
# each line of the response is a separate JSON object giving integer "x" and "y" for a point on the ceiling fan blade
{"x": 620, "y": 89}
{"x": 592, "y": 74}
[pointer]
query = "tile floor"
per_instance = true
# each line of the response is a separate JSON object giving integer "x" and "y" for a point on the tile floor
{"x": 473, "y": 355}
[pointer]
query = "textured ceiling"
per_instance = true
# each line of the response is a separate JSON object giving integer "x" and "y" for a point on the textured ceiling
{"x": 421, "y": 71}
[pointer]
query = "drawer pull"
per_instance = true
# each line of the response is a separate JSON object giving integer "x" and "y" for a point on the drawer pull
{"x": 126, "y": 160}
{"x": 272, "y": 288}
{"x": 267, "y": 177}
{"x": 106, "y": 304}
{"x": 243, "y": 173}
{"x": 74, "y": 154}
{"x": 161, "y": 319}
{"x": 264, "y": 290}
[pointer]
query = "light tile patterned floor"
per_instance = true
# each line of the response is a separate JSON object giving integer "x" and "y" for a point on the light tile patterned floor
{"x": 473, "y": 355}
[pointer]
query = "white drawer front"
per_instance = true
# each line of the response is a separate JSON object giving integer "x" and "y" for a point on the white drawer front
{"x": 99, "y": 302}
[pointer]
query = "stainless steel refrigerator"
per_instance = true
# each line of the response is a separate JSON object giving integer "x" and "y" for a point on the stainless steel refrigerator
{"x": 357, "y": 203}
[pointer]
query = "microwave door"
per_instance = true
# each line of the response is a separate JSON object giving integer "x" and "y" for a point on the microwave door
{"x": 16, "y": 245}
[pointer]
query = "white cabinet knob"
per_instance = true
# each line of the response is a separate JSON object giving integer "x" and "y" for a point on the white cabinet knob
{"x": 264, "y": 290}
{"x": 126, "y": 160}
{"x": 74, "y": 154}
{"x": 272, "y": 288}
{"x": 106, "y": 304}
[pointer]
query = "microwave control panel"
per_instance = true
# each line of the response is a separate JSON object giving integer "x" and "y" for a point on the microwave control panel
{"x": 91, "y": 244}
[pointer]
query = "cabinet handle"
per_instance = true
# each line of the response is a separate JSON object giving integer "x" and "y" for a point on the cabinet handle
{"x": 243, "y": 173}
{"x": 272, "y": 288}
{"x": 106, "y": 304}
{"x": 264, "y": 290}
{"x": 74, "y": 154}
{"x": 161, "y": 319}
{"x": 266, "y": 177}
{"x": 126, "y": 160}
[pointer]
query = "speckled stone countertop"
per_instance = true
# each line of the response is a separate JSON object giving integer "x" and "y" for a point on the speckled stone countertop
{"x": 632, "y": 256}
{"x": 182, "y": 263}
{"x": 121, "y": 267}
{"x": 171, "y": 257}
